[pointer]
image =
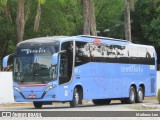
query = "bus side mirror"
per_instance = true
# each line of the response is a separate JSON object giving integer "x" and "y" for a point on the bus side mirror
{"x": 55, "y": 59}
{"x": 5, "y": 62}
{"x": 6, "y": 59}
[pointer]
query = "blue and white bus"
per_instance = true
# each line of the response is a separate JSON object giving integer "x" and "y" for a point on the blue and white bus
{"x": 72, "y": 69}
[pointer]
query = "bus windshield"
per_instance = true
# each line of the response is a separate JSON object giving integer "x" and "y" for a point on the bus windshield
{"x": 33, "y": 65}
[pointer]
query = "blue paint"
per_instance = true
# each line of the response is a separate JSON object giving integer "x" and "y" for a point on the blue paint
{"x": 99, "y": 80}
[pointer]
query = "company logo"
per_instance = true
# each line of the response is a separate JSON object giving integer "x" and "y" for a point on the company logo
{"x": 21, "y": 114}
{"x": 136, "y": 69}
{"x": 6, "y": 114}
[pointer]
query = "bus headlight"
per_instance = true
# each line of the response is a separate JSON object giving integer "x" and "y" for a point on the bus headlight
{"x": 49, "y": 88}
{"x": 17, "y": 89}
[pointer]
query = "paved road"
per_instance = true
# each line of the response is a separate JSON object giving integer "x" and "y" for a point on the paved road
{"x": 147, "y": 105}
{"x": 87, "y": 106}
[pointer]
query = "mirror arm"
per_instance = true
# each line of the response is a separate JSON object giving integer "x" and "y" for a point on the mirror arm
{"x": 63, "y": 51}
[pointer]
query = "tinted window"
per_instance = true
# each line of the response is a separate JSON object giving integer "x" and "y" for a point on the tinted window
{"x": 92, "y": 52}
{"x": 122, "y": 54}
{"x": 66, "y": 62}
{"x": 150, "y": 56}
{"x": 82, "y": 53}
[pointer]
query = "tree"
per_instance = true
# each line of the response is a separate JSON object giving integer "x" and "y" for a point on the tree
{"x": 86, "y": 18}
{"x": 38, "y": 15}
{"x": 20, "y": 20}
{"x": 145, "y": 22}
{"x": 92, "y": 18}
{"x": 6, "y": 9}
{"x": 89, "y": 25}
{"x": 109, "y": 18}
{"x": 127, "y": 19}
{"x": 129, "y": 4}
{"x": 154, "y": 3}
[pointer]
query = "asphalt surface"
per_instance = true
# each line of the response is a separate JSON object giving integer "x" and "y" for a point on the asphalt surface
{"x": 114, "y": 106}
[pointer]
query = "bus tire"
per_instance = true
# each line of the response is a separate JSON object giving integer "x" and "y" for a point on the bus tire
{"x": 38, "y": 105}
{"x": 76, "y": 97}
{"x": 132, "y": 96}
{"x": 140, "y": 95}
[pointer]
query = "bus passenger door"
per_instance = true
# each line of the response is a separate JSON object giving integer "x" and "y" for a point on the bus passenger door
{"x": 65, "y": 70}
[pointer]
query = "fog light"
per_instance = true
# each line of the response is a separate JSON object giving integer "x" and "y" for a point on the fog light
{"x": 50, "y": 87}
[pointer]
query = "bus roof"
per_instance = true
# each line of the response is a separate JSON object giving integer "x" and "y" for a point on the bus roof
{"x": 42, "y": 40}
{"x": 104, "y": 38}
{"x": 56, "y": 39}
{"x": 111, "y": 40}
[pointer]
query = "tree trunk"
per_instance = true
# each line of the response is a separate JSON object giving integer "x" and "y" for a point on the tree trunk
{"x": 127, "y": 21}
{"x": 92, "y": 18}
{"x": 20, "y": 21}
{"x": 37, "y": 18}
{"x": 86, "y": 18}
{"x": 154, "y": 3}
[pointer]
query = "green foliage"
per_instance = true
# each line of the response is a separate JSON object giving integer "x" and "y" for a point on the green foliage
{"x": 42, "y": 1}
{"x": 7, "y": 37}
{"x": 109, "y": 16}
{"x": 158, "y": 96}
{"x": 145, "y": 22}
{"x": 64, "y": 17}
{"x": 3, "y": 2}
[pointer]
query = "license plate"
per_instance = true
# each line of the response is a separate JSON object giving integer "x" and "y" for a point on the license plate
{"x": 32, "y": 96}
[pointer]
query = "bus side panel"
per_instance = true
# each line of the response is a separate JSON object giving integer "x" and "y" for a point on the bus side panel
{"x": 111, "y": 80}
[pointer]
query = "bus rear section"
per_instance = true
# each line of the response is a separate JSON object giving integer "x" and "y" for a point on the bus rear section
{"x": 114, "y": 69}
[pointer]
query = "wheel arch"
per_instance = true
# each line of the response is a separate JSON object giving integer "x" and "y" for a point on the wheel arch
{"x": 135, "y": 87}
{"x": 80, "y": 90}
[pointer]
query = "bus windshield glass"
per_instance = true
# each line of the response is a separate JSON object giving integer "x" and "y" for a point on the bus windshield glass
{"x": 33, "y": 65}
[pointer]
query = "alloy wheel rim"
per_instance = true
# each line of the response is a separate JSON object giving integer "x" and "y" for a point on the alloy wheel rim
{"x": 140, "y": 94}
{"x": 132, "y": 96}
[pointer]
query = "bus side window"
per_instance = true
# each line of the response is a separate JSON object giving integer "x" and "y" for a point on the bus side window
{"x": 150, "y": 56}
{"x": 133, "y": 59}
{"x": 82, "y": 53}
{"x": 122, "y": 54}
{"x": 141, "y": 55}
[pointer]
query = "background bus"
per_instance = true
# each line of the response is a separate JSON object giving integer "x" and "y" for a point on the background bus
{"x": 70, "y": 69}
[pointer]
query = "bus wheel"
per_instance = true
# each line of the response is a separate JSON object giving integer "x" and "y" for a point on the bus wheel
{"x": 140, "y": 95}
{"x": 38, "y": 105}
{"x": 76, "y": 97}
{"x": 132, "y": 96}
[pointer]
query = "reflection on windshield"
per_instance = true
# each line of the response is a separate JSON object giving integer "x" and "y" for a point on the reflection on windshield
{"x": 33, "y": 65}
